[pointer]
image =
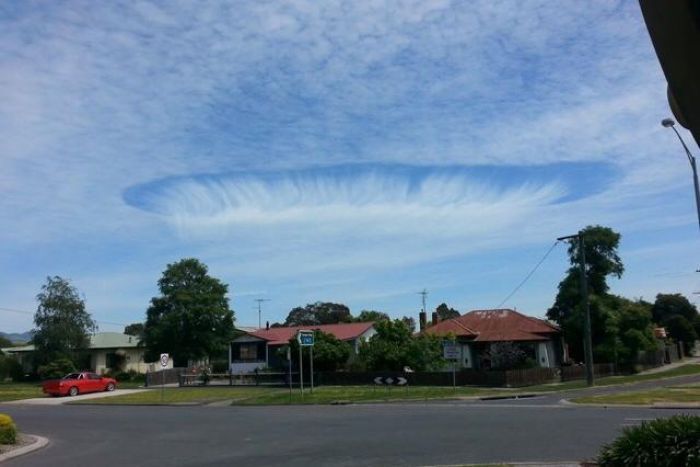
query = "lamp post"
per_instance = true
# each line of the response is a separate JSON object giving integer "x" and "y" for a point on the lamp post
{"x": 587, "y": 338}
{"x": 669, "y": 123}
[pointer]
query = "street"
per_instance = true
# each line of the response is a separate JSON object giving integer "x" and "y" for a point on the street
{"x": 388, "y": 434}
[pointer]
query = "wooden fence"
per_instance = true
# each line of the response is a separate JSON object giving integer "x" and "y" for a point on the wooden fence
{"x": 168, "y": 376}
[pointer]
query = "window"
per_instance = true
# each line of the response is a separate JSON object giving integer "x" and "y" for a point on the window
{"x": 249, "y": 352}
{"x": 93, "y": 376}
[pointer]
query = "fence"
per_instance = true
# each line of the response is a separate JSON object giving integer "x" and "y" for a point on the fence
{"x": 232, "y": 379}
{"x": 167, "y": 376}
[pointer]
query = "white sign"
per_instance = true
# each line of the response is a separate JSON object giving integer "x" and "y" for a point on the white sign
{"x": 399, "y": 381}
{"x": 164, "y": 358}
{"x": 450, "y": 350}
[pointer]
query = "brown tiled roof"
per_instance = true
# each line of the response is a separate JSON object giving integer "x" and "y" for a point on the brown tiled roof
{"x": 496, "y": 325}
{"x": 342, "y": 331}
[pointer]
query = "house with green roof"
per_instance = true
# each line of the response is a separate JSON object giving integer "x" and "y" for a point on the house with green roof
{"x": 107, "y": 351}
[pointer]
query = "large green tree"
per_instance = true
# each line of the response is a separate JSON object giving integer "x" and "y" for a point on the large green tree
{"x": 394, "y": 346}
{"x": 191, "y": 318}
{"x": 620, "y": 327}
{"x": 63, "y": 326}
{"x": 319, "y": 313}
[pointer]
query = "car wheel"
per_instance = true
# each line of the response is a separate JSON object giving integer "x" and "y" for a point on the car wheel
{"x": 73, "y": 391}
{"x": 110, "y": 387}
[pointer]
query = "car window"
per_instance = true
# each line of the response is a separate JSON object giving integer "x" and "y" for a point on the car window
{"x": 72, "y": 376}
{"x": 81, "y": 376}
{"x": 93, "y": 376}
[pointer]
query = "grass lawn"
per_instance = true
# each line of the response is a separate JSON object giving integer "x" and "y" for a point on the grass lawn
{"x": 690, "y": 393}
{"x": 683, "y": 370}
{"x": 270, "y": 396}
{"x": 196, "y": 395}
{"x": 331, "y": 394}
{"x": 16, "y": 391}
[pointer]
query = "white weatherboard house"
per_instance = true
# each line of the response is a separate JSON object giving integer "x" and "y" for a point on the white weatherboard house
{"x": 108, "y": 350}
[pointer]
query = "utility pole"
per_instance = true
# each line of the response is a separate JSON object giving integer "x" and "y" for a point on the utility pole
{"x": 260, "y": 300}
{"x": 587, "y": 338}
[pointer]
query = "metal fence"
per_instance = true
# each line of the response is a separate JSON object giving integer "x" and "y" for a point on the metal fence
{"x": 232, "y": 379}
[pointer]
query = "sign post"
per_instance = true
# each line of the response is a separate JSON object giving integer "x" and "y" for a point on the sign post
{"x": 306, "y": 339}
{"x": 164, "y": 358}
{"x": 450, "y": 351}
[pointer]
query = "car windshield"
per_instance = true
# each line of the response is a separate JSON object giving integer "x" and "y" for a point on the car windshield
{"x": 72, "y": 376}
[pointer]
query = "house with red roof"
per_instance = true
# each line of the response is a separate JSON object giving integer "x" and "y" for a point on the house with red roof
{"x": 259, "y": 348}
{"x": 478, "y": 331}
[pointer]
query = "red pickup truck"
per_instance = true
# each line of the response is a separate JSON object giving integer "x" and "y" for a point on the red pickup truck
{"x": 78, "y": 383}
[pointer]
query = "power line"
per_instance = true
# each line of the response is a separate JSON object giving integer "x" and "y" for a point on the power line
{"x": 529, "y": 275}
{"x": 14, "y": 310}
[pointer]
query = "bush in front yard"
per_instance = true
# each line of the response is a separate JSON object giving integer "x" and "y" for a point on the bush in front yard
{"x": 56, "y": 369}
{"x": 8, "y": 430}
{"x": 665, "y": 442}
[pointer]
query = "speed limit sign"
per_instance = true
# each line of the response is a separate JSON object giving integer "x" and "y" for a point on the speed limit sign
{"x": 164, "y": 357}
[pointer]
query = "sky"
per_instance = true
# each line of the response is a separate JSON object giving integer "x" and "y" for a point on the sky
{"x": 354, "y": 152}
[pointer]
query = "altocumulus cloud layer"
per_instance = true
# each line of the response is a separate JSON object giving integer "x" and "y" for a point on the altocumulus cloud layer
{"x": 351, "y": 150}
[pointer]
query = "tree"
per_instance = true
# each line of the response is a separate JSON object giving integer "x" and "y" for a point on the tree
{"x": 507, "y": 356}
{"x": 330, "y": 353}
{"x": 134, "y": 329}
{"x": 318, "y": 313}
{"x": 371, "y": 315}
{"x": 63, "y": 326}
{"x": 191, "y": 319}
{"x": 680, "y": 318}
{"x": 394, "y": 346}
{"x": 602, "y": 260}
{"x": 445, "y": 312}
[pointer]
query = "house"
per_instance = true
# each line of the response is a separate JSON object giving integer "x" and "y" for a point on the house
{"x": 260, "y": 348}
{"x": 478, "y": 331}
{"x": 108, "y": 350}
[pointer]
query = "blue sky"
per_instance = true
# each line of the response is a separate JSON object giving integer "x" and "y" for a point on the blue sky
{"x": 355, "y": 152}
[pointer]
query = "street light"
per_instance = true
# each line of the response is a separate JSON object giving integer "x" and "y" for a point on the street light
{"x": 669, "y": 123}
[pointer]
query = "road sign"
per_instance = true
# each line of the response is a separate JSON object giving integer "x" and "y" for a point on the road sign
{"x": 164, "y": 358}
{"x": 305, "y": 338}
{"x": 450, "y": 350}
{"x": 398, "y": 381}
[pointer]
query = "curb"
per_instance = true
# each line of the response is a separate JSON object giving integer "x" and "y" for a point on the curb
{"x": 39, "y": 442}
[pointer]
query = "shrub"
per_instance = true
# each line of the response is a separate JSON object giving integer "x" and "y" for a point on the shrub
{"x": 666, "y": 442}
{"x": 8, "y": 430}
{"x": 56, "y": 369}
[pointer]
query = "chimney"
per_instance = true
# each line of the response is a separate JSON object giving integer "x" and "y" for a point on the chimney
{"x": 436, "y": 319}
{"x": 421, "y": 320}
{"x": 267, "y": 325}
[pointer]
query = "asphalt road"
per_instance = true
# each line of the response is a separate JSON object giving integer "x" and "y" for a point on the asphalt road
{"x": 384, "y": 435}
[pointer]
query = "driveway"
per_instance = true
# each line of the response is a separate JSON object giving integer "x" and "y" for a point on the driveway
{"x": 62, "y": 400}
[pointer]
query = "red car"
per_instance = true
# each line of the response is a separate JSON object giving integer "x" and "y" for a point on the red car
{"x": 78, "y": 383}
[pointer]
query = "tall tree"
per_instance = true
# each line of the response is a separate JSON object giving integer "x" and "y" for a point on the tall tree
{"x": 620, "y": 327}
{"x": 445, "y": 312}
{"x": 371, "y": 315}
{"x": 191, "y": 319}
{"x": 319, "y": 313}
{"x": 63, "y": 326}
{"x": 602, "y": 260}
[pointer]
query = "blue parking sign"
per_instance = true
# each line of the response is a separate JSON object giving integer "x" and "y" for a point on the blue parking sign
{"x": 305, "y": 338}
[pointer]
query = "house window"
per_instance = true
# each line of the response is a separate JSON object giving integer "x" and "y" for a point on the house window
{"x": 249, "y": 352}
